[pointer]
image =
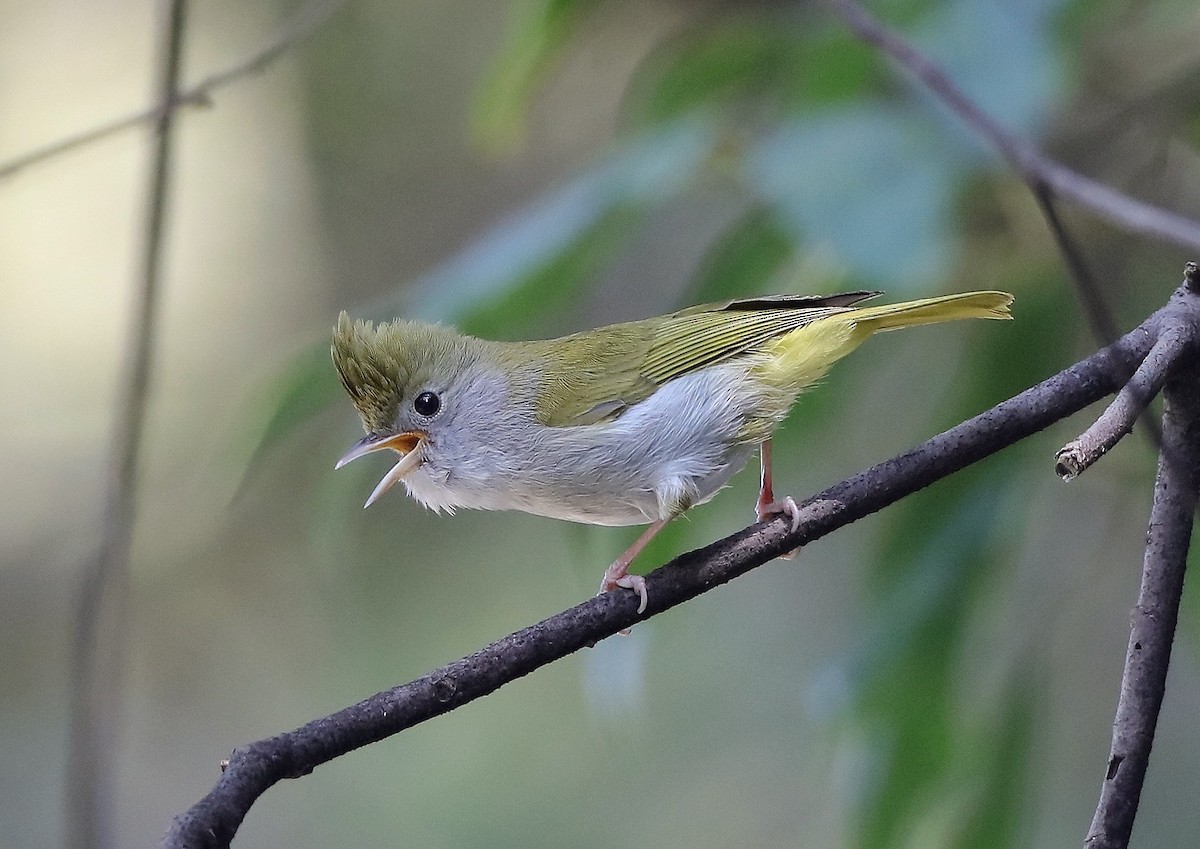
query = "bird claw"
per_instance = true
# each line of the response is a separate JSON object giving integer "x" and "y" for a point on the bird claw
{"x": 781, "y": 507}
{"x": 636, "y": 583}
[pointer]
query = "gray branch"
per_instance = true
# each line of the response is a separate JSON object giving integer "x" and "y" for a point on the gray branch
{"x": 1152, "y": 623}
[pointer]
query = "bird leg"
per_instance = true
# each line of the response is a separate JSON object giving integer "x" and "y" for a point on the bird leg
{"x": 617, "y": 575}
{"x": 767, "y": 505}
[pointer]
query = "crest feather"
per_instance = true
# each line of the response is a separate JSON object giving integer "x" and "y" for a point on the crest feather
{"x": 378, "y": 365}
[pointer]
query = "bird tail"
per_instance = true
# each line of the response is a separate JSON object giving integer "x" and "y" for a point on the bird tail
{"x": 801, "y": 357}
{"x": 876, "y": 319}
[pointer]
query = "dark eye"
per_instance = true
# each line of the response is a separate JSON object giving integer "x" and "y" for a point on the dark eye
{"x": 427, "y": 404}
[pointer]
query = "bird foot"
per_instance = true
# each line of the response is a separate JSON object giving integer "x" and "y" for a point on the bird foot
{"x": 780, "y": 507}
{"x": 616, "y": 577}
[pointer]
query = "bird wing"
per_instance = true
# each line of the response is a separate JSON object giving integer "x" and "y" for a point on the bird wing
{"x": 626, "y": 363}
{"x": 712, "y": 333}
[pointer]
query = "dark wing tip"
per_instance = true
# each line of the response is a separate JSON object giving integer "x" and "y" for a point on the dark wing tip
{"x": 791, "y": 302}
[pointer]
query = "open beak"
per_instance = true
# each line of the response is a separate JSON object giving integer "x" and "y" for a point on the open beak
{"x": 407, "y": 444}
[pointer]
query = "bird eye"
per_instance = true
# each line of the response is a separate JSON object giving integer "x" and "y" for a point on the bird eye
{"x": 427, "y": 404}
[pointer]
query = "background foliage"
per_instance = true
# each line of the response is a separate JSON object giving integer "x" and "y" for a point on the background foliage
{"x": 939, "y": 675}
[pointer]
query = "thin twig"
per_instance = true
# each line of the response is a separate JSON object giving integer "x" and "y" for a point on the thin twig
{"x": 1100, "y": 317}
{"x": 251, "y": 770}
{"x": 1034, "y": 167}
{"x": 1152, "y": 626}
{"x": 1117, "y": 420}
{"x": 300, "y": 26}
{"x": 99, "y": 647}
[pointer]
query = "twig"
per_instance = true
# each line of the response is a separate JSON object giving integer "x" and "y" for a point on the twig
{"x": 1100, "y": 317}
{"x": 253, "y": 769}
{"x": 303, "y": 24}
{"x": 1034, "y": 167}
{"x": 99, "y": 647}
{"x": 1152, "y": 626}
{"x": 1117, "y": 420}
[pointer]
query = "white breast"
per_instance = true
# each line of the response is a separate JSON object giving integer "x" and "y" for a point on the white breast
{"x": 667, "y": 453}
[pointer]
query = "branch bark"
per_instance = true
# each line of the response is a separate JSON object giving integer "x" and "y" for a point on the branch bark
{"x": 1133, "y": 399}
{"x": 253, "y": 769}
{"x": 1152, "y": 623}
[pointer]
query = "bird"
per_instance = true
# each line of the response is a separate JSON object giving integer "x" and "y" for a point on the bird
{"x": 629, "y": 424}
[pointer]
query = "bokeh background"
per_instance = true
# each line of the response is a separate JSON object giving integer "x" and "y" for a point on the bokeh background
{"x": 940, "y": 675}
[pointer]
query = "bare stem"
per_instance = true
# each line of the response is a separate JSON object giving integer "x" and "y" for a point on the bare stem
{"x": 303, "y": 24}
{"x": 1133, "y": 399}
{"x": 1152, "y": 626}
{"x": 99, "y": 647}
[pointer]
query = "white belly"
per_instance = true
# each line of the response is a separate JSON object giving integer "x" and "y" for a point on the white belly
{"x": 665, "y": 454}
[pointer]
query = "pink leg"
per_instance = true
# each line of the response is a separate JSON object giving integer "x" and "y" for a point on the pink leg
{"x": 767, "y": 506}
{"x": 617, "y": 575}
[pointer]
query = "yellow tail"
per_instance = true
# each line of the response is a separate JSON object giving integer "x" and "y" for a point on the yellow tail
{"x": 800, "y": 358}
{"x": 928, "y": 311}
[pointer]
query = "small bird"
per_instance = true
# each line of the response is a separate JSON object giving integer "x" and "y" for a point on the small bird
{"x": 628, "y": 424}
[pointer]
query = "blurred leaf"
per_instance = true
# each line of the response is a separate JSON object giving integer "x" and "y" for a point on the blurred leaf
{"x": 1001, "y": 55}
{"x": 538, "y": 30}
{"x": 913, "y": 651}
{"x": 744, "y": 260}
{"x": 1000, "y": 811}
{"x": 715, "y": 64}
{"x": 865, "y": 183}
{"x": 938, "y": 548}
{"x": 525, "y": 267}
{"x": 306, "y": 387}
{"x": 647, "y": 169}
{"x": 839, "y": 67}
{"x": 519, "y": 313}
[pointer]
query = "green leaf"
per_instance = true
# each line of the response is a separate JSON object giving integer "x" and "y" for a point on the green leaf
{"x": 768, "y": 57}
{"x": 518, "y": 313}
{"x": 524, "y": 268}
{"x": 866, "y": 184}
{"x": 716, "y": 64}
{"x": 1001, "y": 56}
{"x": 538, "y": 31}
{"x": 744, "y": 260}
{"x": 999, "y": 812}
{"x": 905, "y": 681}
{"x": 643, "y": 171}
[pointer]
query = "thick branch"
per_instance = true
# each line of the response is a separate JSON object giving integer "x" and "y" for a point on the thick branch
{"x": 254, "y": 768}
{"x": 1152, "y": 626}
{"x": 1035, "y": 168}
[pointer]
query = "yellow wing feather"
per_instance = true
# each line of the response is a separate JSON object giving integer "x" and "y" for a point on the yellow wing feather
{"x": 796, "y": 340}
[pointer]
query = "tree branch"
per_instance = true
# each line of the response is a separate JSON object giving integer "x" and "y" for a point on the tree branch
{"x": 1117, "y": 420}
{"x": 251, "y": 770}
{"x": 1100, "y": 317}
{"x": 303, "y": 24}
{"x": 1035, "y": 168}
{"x": 1152, "y": 626}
